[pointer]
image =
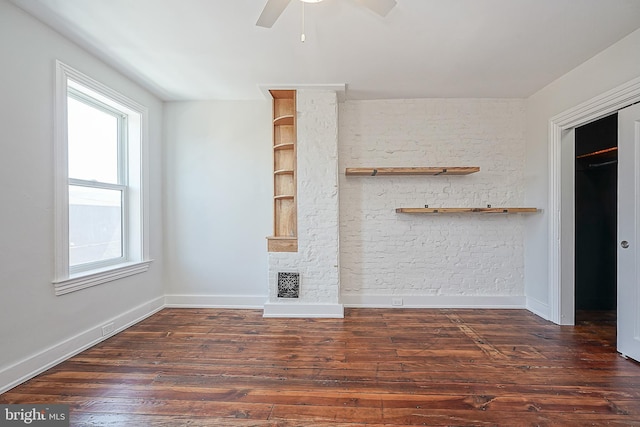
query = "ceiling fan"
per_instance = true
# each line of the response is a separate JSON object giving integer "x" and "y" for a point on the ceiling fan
{"x": 274, "y": 8}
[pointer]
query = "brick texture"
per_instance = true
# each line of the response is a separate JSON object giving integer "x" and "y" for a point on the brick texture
{"x": 385, "y": 253}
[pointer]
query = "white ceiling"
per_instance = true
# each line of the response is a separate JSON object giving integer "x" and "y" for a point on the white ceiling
{"x": 211, "y": 49}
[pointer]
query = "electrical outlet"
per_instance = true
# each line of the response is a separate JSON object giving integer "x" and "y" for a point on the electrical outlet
{"x": 108, "y": 329}
{"x": 396, "y": 302}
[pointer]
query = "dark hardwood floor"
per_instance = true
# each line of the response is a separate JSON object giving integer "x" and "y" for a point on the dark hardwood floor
{"x": 214, "y": 367}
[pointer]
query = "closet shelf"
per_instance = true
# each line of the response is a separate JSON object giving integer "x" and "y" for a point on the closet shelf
{"x": 466, "y": 210}
{"x": 598, "y": 153}
{"x": 457, "y": 170}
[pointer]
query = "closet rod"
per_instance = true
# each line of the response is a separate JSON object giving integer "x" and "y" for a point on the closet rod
{"x": 597, "y": 165}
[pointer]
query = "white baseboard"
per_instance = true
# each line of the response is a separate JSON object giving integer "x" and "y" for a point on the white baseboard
{"x": 304, "y": 310}
{"x": 215, "y": 301}
{"x": 433, "y": 301}
{"x": 539, "y": 308}
{"x": 49, "y": 357}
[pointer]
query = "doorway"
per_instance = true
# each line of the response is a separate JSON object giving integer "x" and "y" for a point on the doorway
{"x": 560, "y": 218}
{"x": 596, "y": 208}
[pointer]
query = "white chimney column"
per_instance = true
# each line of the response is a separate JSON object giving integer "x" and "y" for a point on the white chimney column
{"x": 317, "y": 259}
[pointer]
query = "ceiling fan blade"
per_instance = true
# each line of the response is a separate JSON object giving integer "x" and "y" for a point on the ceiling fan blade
{"x": 381, "y": 7}
{"x": 271, "y": 12}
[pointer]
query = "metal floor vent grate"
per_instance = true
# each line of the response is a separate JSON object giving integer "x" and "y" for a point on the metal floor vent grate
{"x": 288, "y": 285}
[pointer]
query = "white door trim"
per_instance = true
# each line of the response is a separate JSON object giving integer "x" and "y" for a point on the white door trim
{"x": 597, "y": 107}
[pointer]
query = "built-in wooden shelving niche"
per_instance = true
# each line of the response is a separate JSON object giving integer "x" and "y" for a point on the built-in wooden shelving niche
{"x": 466, "y": 210}
{"x": 285, "y": 210}
{"x": 434, "y": 171}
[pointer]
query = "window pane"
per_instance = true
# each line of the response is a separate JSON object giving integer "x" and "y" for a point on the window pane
{"x": 93, "y": 143}
{"x": 95, "y": 224}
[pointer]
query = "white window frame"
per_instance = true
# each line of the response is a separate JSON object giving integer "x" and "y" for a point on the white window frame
{"x": 121, "y": 185}
{"x": 134, "y": 170}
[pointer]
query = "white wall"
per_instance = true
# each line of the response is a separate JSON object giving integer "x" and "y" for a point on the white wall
{"x": 429, "y": 260}
{"x": 37, "y": 327}
{"x": 614, "y": 66}
{"x": 218, "y": 186}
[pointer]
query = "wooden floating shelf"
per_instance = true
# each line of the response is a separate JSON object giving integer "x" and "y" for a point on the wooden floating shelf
{"x": 412, "y": 171}
{"x": 285, "y": 146}
{"x": 283, "y": 197}
{"x": 283, "y": 120}
{"x": 466, "y": 210}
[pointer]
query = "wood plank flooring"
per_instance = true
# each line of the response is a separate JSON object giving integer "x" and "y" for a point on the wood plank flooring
{"x": 218, "y": 367}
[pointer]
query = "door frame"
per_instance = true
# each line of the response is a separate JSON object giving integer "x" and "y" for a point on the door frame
{"x": 562, "y": 230}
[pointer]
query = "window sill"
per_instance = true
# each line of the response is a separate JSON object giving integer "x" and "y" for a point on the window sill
{"x": 97, "y": 277}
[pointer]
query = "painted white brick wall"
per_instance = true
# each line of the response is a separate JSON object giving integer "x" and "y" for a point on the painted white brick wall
{"x": 388, "y": 254}
{"x": 317, "y": 257}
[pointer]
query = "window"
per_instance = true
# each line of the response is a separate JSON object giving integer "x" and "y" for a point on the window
{"x": 100, "y": 222}
{"x": 96, "y": 136}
